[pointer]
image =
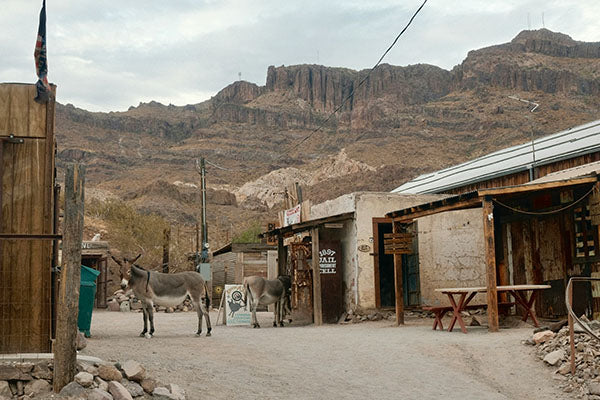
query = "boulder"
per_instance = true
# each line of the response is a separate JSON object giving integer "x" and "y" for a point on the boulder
{"x": 113, "y": 305}
{"x": 543, "y": 336}
{"x": 90, "y": 369}
{"x": 148, "y": 385}
{"x": 176, "y": 391}
{"x": 554, "y": 357}
{"x": 99, "y": 394}
{"x": 102, "y": 384}
{"x": 162, "y": 393}
{"x": 109, "y": 372}
{"x": 594, "y": 388}
{"x": 73, "y": 389}
{"x": 124, "y": 307}
{"x": 134, "y": 371}
{"x": 42, "y": 370}
{"x": 5, "y": 389}
{"x": 85, "y": 379}
{"x": 118, "y": 391}
{"x": 81, "y": 341}
{"x": 25, "y": 367}
{"x": 133, "y": 388}
{"x": 36, "y": 387}
{"x": 11, "y": 372}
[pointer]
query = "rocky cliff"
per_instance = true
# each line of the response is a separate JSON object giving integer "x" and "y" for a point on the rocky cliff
{"x": 402, "y": 121}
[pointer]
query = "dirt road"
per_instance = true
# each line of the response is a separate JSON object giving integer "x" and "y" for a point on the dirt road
{"x": 362, "y": 361}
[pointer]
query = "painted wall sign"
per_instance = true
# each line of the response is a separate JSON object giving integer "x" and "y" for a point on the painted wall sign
{"x": 292, "y": 216}
{"x": 328, "y": 260}
{"x": 235, "y": 311}
{"x": 365, "y": 248}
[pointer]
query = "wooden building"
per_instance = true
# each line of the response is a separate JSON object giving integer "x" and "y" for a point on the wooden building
{"x": 235, "y": 261}
{"x": 519, "y": 229}
{"x": 27, "y": 220}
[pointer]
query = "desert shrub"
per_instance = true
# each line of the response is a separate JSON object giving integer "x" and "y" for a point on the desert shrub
{"x": 130, "y": 231}
{"x": 250, "y": 234}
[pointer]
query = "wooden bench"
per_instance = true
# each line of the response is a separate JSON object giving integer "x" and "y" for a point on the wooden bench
{"x": 439, "y": 312}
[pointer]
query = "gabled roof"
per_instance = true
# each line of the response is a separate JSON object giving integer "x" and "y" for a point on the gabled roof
{"x": 566, "y": 144}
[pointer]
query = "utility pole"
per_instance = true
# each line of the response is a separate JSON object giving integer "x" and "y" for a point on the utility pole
{"x": 203, "y": 256}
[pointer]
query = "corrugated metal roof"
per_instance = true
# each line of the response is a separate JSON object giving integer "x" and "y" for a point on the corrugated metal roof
{"x": 566, "y": 144}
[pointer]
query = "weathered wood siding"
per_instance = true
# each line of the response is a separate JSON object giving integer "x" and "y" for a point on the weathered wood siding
{"x": 27, "y": 204}
{"x": 523, "y": 177}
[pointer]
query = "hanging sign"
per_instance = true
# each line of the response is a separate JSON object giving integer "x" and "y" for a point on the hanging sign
{"x": 292, "y": 216}
{"x": 398, "y": 243}
{"x": 235, "y": 311}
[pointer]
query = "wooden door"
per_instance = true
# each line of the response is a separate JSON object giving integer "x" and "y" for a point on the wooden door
{"x": 330, "y": 267}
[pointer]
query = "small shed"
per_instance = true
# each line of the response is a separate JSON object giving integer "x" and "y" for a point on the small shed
{"x": 94, "y": 254}
{"x": 235, "y": 261}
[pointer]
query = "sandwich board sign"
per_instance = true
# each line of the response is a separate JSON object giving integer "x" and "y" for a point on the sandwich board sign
{"x": 235, "y": 310}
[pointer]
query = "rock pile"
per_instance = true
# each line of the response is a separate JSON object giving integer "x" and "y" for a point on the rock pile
{"x": 553, "y": 347}
{"x": 126, "y": 301}
{"x": 105, "y": 381}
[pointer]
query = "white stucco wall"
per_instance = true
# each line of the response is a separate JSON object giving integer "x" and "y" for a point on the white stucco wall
{"x": 451, "y": 253}
{"x": 371, "y": 205}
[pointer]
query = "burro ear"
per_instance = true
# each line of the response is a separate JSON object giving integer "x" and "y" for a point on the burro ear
{"x": 116, "y": 260}
{"x": 136, "y": 258}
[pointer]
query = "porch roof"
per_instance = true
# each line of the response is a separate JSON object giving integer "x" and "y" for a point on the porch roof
{"x": 475, "y": 198}
{"x": 304, "y": 226}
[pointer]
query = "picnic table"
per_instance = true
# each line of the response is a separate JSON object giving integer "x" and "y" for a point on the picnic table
{"x": 518, "y": 292}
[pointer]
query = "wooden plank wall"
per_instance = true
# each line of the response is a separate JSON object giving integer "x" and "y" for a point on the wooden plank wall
{"x": 27, "y": 207}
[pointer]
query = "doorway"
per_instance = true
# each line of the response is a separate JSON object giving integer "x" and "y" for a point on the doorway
{"x": 385, "y": 294}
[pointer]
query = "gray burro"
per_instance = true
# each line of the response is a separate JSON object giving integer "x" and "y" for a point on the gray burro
{"x": 93, "y": 381}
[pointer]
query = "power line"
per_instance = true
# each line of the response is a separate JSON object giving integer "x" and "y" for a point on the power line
{"x": 359, "y": 84}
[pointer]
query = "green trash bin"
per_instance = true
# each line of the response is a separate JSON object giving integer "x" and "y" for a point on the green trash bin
{"x": 87, "y": 295}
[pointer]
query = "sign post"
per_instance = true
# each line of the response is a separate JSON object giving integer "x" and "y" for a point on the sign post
{"x": 235, "y": 309}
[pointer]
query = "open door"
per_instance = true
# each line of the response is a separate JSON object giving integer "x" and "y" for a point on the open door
{"x": 385, "y": 295}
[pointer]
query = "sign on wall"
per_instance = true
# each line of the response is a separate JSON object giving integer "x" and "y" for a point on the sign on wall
{"x": 329, "y": 257}
{"x": 292, "y": 216}
{"x": 235, "y": 311}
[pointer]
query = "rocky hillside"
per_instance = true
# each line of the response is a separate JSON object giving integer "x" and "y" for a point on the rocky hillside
{"x": 401, "y": 122}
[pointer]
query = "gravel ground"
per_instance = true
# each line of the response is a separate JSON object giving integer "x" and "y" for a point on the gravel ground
{"x": 367, "y": 360}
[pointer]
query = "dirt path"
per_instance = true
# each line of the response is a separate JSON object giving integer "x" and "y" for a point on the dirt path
{"x": 368, "y": 360}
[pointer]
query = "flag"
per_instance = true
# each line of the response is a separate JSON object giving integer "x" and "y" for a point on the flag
{"x": 41, "y": 62}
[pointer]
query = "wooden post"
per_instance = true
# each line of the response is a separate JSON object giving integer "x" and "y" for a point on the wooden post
{"x": 65, "y": 347}
{"x": 490, "y": 261}
{"x": 317, "y": 304}
{"x": 281, "y": 257}
{"x": 166, "y": 245}
{"x": 571, "y": 331}
{"x": 397, "y": 226}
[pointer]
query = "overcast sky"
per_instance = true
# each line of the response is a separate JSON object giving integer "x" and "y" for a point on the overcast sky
{"x": 106, "y": 55}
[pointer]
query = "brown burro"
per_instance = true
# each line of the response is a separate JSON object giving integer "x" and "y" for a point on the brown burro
{"x": 168, "y": 290}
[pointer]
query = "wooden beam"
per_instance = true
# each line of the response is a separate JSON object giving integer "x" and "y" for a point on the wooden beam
{"x": 65, "y": 347}
{"x": 536, "y": 186}
{"x": 317, "y": 302}
{"x": 490, "y": 261}
{"x": 397, "y": 226}
{"x": 281, "y": 257}
{"x": 418, "y": 213}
